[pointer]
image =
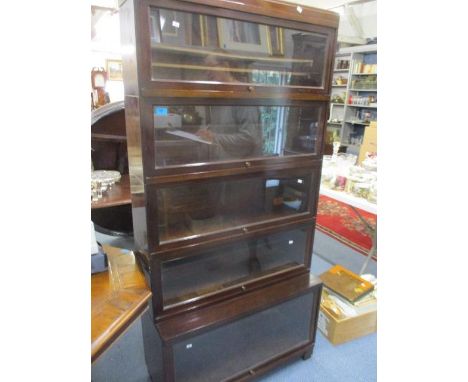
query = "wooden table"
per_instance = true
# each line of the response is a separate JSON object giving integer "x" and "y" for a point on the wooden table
{"x": 118, "y": 195}
{"x": 118, "y": 297}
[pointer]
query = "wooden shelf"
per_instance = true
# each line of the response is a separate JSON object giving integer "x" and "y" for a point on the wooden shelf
{"x": 341, "y": 70}
{"x": 364, "y": 74}
{"x": 339, "y": 86}
{"x": 335, "y": 123}
{"x": 363, "y": 90}
{"x": 118, "y": 195}
{"x": 221, "y": 69}
{"x": 203, "y": 52}
{"x": 224, "y": 223}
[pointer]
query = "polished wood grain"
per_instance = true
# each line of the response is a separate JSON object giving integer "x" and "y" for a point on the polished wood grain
{"x": 118, "y": 297}
{"x": 118, "y": 195}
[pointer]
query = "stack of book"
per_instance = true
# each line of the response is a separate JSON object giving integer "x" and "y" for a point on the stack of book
{"x": 348, "y": 307}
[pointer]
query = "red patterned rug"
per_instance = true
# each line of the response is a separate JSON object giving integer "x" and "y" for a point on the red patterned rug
{"x": 339, "y": 221}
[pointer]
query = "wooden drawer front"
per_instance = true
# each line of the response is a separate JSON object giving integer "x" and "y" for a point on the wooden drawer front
{"x": 241, "y": 346}
{"x": 189, "y": 277}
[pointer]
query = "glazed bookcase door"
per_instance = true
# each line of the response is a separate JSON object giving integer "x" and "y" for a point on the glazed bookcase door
{"x": 236, "y": 133}
{"x": 197, "y": 47}
{"x": 240, "y": 346}
{"x": 190, "y": 277}
{"x": 196, "y": 211}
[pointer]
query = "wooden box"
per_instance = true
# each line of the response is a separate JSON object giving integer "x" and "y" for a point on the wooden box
{"x": 346, "y": 329}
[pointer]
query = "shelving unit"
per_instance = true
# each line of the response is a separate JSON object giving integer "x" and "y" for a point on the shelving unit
{"x": 336, "y": 114}
{"x": 343, "y": 121}
{"x": 224, "y": 222}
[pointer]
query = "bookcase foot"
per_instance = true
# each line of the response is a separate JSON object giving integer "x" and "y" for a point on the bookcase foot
{"x": 307, "y": 354}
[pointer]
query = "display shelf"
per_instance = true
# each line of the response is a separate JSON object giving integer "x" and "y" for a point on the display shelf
{"x": 228, "y": 223}
{"x": 220, "y": 69}
{"x": 363, "y": 106}
{"x": 337, "y": 103}
{"x": 358, "y": 123}
{"x": 350, "y": 145}
{"x": 205, "y": 52}
{"x": 350, "y": 114}
{"x": 341, "y": 70}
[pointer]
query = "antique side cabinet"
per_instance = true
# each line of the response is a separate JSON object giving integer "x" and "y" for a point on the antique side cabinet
{"x": 225, "y": 105}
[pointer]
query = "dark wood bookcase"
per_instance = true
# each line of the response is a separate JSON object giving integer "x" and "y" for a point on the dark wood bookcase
{"x": 225, "y": 106}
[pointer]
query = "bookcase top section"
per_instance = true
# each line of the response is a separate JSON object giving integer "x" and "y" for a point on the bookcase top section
{"x": 273, "y": 8}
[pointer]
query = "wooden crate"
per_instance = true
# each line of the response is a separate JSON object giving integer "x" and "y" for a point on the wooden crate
{"x": 339, "y": 331}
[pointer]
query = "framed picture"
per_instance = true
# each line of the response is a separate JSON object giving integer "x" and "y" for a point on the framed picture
{"x": 114, "y": 70}
{"x": 209, "y": 31}
{"x": 242, "y": 36}
{"x": 176, "y": 27}
{"x": 276, "y": 41}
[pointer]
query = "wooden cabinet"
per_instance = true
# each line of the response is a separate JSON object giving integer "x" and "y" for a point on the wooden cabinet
{"x": 226, "y": 105}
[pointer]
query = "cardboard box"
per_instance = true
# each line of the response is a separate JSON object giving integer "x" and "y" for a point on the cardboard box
{"x": 369, "y": 142}
{"x": 340, "y": 330}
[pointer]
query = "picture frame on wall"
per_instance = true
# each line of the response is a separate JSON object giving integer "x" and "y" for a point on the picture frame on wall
{"x": 114, "y": 70}
{"x": 243, "y": 36}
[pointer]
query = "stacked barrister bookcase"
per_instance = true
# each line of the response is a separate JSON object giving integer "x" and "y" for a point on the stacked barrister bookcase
{"x": 226, "y": 104}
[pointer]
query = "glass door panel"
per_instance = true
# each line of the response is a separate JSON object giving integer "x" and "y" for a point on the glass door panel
{"x": 186, "y": 134}
{"x": 190, "y": 277}
{"x": 201, "y": 48}
{"x": 243, "y": 344}
{"x": 199, "y": 208}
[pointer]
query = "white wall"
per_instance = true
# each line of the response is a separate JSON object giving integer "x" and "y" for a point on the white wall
{"x": 366, "y": 13}
{"x": 106, "y": 45}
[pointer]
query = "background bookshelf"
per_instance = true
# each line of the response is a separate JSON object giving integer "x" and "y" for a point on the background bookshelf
{"x": 353, "y": 103}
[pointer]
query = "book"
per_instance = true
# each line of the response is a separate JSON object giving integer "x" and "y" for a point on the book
{"x": 346, "y": 283}
{"x": 342, "y": 308}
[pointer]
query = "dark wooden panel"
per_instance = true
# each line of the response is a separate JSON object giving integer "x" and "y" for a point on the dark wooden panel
{"x": 202, "y": 319}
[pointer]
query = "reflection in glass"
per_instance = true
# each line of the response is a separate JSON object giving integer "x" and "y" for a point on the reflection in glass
{"x": 195, "y": 209}
{"x": 191, "y": 277}
{"x": 200, "y": 134}
{"x": 194, "y": 47}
